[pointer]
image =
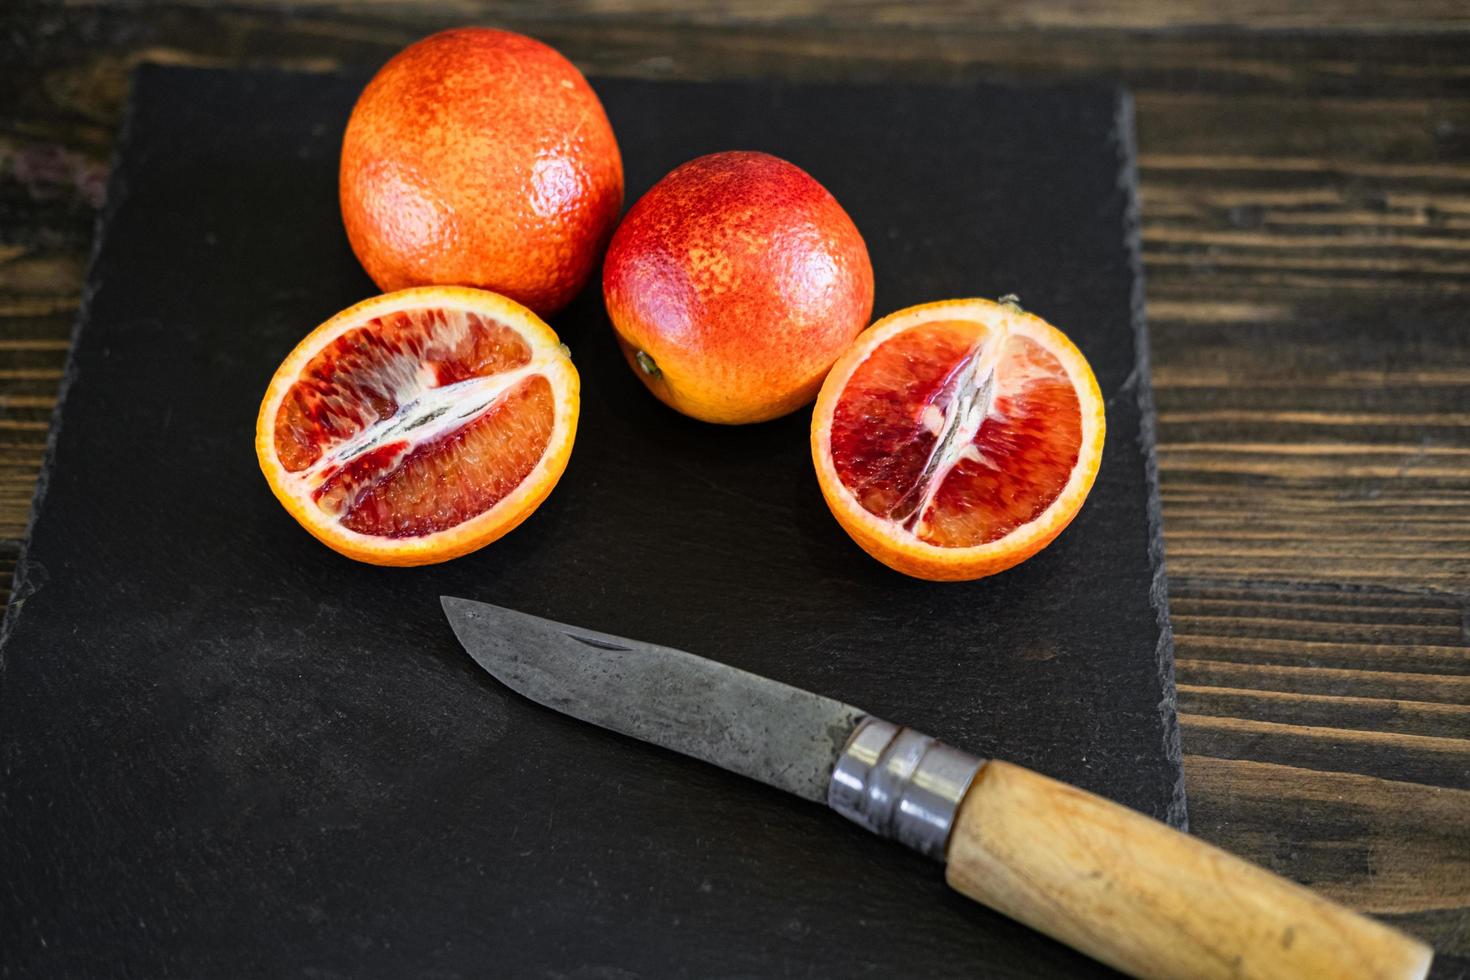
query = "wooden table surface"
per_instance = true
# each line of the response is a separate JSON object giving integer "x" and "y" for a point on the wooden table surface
{"x": 1306, "y": 214}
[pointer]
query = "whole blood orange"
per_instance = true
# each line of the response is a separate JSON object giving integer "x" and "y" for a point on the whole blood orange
{"x": 733, "y": 285}
{"x": 481, "y": 158}
{"x": 420, "y": 425}
{"x": 956, "y": 439}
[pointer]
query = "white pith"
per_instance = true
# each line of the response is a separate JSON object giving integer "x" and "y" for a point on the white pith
{"x": 956, "y": 427}
{"x": 444, "y": 410}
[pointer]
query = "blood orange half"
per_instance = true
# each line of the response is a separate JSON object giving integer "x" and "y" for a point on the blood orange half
{"x": 420, "y": 425}
{"x": 956, "y": 439}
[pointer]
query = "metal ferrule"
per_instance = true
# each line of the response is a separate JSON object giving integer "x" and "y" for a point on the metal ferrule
{"x": 902, "y": 784}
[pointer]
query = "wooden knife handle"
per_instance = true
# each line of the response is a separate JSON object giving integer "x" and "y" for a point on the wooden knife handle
{"x": 1147, "y": 899}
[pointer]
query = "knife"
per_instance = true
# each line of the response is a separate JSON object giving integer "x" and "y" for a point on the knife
{"x": 1104, "y": 879}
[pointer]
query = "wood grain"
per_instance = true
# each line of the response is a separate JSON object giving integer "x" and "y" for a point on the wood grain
{"x": 1151, "y": 901}
{"x": 1305, "y": 173}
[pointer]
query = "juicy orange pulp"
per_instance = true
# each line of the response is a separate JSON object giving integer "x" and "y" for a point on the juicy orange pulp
{"x": 401, "y": 427}
{"x": 1001, "y": 467}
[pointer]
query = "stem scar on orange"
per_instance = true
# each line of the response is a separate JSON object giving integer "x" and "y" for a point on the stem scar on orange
{"x": 956, "y": 439}
{"x": 419, "y": 425}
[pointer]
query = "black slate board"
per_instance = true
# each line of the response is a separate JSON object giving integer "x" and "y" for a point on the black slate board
{"x": 230, "y": 752}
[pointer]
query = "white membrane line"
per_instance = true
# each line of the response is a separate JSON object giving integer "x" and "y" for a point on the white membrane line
{"x": 426, "y": 418}
{"x": 973, "y": 381}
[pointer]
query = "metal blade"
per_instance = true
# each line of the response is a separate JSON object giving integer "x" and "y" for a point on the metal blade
{"x": 780, "y": 735}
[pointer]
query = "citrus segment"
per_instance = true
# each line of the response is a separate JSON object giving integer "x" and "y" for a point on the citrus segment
{"x": 419, "y": 425}
{"x": 957, "y": 439}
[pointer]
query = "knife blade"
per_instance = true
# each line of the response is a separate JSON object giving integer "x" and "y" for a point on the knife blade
{"x": 780, "y": 735}
{"x": 1108, "y": 881}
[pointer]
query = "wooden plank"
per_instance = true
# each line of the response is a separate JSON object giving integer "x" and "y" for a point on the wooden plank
{"x": 1275, "y": 678}
{"x": 1376, "y": 15}
{"x": 1389, "y": 846}
{"x": 1373, "y": 714}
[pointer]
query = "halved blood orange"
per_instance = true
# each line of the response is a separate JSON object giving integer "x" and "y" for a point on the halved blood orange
{"x": 956, "y": 439}
{"x": 419, "y": 425}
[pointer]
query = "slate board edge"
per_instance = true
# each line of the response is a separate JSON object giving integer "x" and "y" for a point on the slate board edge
{"x": 22, "y": 583}
{"x": 34, "y": 576}
{"x": 1178, "y": 812}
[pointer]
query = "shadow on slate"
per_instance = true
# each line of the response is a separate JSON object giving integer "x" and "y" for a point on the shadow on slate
{"x": 229, "y": 751}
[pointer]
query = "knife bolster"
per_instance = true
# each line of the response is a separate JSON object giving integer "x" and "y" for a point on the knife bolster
{"x": 901, "y": 784}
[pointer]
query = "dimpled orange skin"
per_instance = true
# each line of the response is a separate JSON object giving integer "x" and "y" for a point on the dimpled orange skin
{"x": 741, "y": 280}
{"x": 483, "y": 158}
